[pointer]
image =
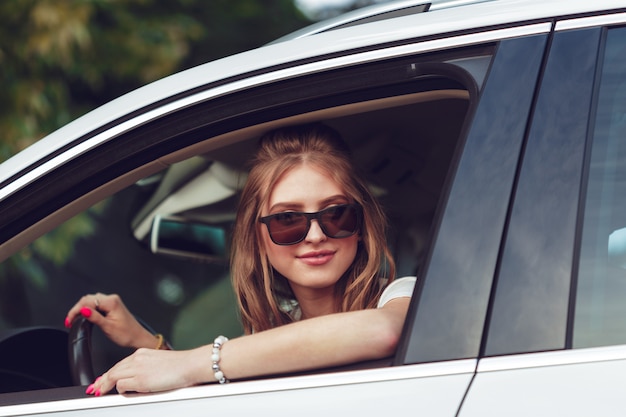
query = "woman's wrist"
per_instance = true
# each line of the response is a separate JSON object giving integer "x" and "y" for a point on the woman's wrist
{"x": 200, "y": 370}
{"x": 145, "y": 339}
{"x": 216, "y": 357}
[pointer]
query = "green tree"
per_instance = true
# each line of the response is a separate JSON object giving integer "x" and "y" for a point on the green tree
{"x": 61, "y": 59}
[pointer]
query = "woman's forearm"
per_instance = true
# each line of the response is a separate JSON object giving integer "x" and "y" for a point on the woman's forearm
{"x": 335, "y": 339}
{"x": 326, "y": 341}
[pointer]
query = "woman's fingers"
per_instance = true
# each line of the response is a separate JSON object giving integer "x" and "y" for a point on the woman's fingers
{"x": 103, "y": 384}
{"x": 140, "y": 372}
{"x": 90, "y": 303}
{"x": 83, "y": 307}
{"x": 108, "y": 303}
{"x": 107, "y": 381}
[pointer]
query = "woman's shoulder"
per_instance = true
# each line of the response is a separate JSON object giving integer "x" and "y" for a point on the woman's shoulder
{"x": 399, "y": 287}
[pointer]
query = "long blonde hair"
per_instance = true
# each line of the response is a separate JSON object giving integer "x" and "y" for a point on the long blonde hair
{"x": 257, "y": 286}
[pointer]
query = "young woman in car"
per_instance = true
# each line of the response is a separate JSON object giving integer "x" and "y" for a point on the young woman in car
{"x": 308, "y": 250}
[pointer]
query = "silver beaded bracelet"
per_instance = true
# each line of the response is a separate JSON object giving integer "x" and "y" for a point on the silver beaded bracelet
{"x": 215, "y": 357}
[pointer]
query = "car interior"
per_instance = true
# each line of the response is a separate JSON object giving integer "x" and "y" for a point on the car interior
{"x": 116, "y": 236}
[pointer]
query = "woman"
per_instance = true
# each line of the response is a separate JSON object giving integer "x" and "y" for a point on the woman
{"x": 308, "y": 249}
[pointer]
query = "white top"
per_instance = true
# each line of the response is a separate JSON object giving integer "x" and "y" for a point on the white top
{"x": 400, "y": 287}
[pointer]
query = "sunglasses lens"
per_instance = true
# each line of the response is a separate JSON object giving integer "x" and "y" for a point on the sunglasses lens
{"x": 340, "y": 221}
{"x": 287, "y": 228}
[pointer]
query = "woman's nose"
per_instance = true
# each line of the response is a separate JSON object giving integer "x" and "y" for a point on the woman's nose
{"x": 315, "y": 234}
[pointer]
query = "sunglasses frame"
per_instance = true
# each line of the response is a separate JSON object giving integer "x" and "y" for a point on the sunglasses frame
{"x": 317, "y": 216}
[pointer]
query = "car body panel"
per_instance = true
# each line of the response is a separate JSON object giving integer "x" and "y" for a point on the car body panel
{"x": 584, "y": 382}
{"x": 440, "y": 389}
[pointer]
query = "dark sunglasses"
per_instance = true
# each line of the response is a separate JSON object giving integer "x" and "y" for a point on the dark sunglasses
{"x": 291, "y": 227}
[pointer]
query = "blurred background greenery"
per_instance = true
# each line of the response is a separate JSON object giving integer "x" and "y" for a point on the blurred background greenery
{"x": 60, "y": 59}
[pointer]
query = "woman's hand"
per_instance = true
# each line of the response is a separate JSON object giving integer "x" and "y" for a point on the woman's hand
{"x": 111, "y": 315}
{"x": 149, "y": 370}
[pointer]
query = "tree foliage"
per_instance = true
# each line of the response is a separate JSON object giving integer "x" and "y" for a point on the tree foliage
{"x": 61, "y": 59}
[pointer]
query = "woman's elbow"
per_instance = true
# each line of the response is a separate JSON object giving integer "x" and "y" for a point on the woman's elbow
{"x": 386, "y": 340}
{"x": 389, "y": 330}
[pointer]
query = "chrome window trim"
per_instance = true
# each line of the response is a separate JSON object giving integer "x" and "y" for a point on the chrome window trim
{"x": 553, "y": 358}
{"x": 266, "y": 78}
{"x": 585, "y": 22}
{"x": 394, "y": 373}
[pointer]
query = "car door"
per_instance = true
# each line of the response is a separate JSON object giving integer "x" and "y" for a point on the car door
{"x": 556, "y": 329}
{"x": 493, "y": 72}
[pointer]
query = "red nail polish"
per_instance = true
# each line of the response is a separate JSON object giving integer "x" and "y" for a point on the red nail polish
{"x": 97, "y": 379}
{"x": 67, "y": 323}
{"x": 89, "y": 389}
{"x": 97, "y": 393}
{"x": 86, "y": 312}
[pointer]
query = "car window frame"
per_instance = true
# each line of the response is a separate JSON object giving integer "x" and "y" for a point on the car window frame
{"x": 552, "y": 379}
{"x": 160, "y": 152}
{"x": 469, "y": 283}
{"x": 586, "y": 175}
{"x": 514, "y": 284}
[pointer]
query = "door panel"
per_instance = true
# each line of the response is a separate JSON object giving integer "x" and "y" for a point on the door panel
{"x": 586, "y": 383}
{"x": 434, "y": 390}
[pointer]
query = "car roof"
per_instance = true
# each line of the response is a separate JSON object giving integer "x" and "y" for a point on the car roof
{"x": 374, "y": 13}
{"x": 235, "y": 72}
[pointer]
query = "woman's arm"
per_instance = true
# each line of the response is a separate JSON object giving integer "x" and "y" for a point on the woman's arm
{"x": 326, "y": 341}
{"x": 321, "y": 342}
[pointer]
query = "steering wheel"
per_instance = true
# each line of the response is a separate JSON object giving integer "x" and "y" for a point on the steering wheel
{"x": 79, "y": 349}
{"x": 79, "y": 352}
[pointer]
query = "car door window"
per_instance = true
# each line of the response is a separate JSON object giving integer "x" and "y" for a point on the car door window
{"x": 531, "y": 296}
{"x": 600, "y": 312}
{"x": 450, "y": 312}
{"x": 403, "y": 119}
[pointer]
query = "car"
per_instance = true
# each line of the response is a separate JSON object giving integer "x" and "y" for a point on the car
{"x": 491, "y": 131}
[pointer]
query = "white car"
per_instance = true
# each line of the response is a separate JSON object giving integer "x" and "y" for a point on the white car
{"x": 494, "y": 133}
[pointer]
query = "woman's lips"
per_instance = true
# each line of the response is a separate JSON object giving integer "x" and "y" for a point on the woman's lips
{"x": 317, "y": 257}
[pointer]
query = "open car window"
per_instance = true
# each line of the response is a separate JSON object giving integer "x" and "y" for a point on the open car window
{"x": 404, "y": 123}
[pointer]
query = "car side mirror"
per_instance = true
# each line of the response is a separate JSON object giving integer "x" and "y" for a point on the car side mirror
{"x": 184, "y": 238}
{"x": 617, "y": 248}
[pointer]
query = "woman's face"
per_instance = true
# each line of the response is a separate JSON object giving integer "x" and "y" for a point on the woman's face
{"x": 316, "y": 263}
